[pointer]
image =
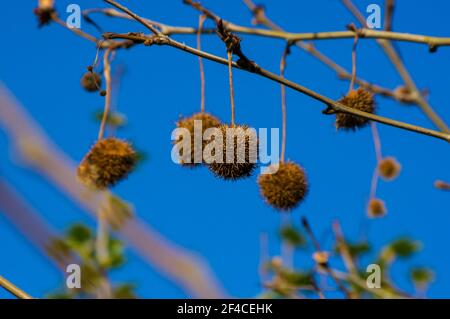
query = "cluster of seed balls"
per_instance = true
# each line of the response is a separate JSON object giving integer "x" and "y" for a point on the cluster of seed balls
{"x": 111, "y": 160}
{"x": 284, "y": 189}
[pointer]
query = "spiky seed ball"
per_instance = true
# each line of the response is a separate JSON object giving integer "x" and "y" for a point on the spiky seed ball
{"x": 91, "y": 81}
{"x": 286, "y": 188}
{"x": 208, "y": 121}
{"x": 244, "y": 162}
{"x": 361, "y": 100}
{"x": 376, "y": 208}
{"x": 108, "y": 161}
{"x": 389, "y": 168}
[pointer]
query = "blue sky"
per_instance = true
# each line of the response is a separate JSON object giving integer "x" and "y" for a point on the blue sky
{"x": 218, "y": 220}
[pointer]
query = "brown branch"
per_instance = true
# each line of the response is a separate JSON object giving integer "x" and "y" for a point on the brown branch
{"x": 13, "y": 289}
{"x": 144, "y": 22}
{"x": 261, "y": 18}
{"x": 201, "y": 20}
{"x": 107, "y": 76}
{"x": 392, "y": 54}
{"x": 253, "y": 68}
{"x": 389, "y": 13}
{"x": 308, "y": 47}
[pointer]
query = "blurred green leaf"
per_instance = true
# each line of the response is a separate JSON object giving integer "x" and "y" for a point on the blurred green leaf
{"x": 124, "y": 291}
{"x": 115, "y": 256}
{"x": 79, "y": 233}
{"x": 358, "y": 249}
{"x": 114, "y": 119}
{"x": 296, "y": 278}
{"x": 292, "y": 236}
{"x": 422, "y": 275}
{"x": 405, "y": 247}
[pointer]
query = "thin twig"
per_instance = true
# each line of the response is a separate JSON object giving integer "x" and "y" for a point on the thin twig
{"x": 388, "y": 14}
{"x": 230, "y": 77}
{"x": 283, "y": 101}
{"x": 344, "y": 249}
{"x": 326, "y": 265}
{"x": 379, "y": 157}
{"x": 107, "y": 76}
{"x": 353, "y": 79}
{"x": 201, "y": 20}
{"x": 144, "y": 22}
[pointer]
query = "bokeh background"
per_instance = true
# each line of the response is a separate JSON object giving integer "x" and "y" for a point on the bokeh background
{"x": 221, "y": 221}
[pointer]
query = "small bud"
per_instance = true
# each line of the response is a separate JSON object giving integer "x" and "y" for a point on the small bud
{"x": 321, "y": 257}
{"x": 376, "y": 208}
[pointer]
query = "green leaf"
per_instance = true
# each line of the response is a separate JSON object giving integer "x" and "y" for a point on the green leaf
{"x": 296, "y": 278}
{"x": 358, "y": 249}
{"x": 405, "y": 247}
{"x": 115, "y": 255}
{"x": 422, "y": 275}
{"x": 79, "y": 233}
{"x": 292, "y": 236}
{"x": 124, "y": 291}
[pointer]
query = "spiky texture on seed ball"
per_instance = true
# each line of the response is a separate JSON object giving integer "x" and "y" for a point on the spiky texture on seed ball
{"x": 109, "y": 161}
{"x": 285, "y": 189}
{"x": 361, "y": 100}
{"x": 208, "y": 121}
{"x": 376, "y": 208}
{"x": 389, "y": 168}
{"x": 91, "y": 81}
{"x": 244, "y": 161}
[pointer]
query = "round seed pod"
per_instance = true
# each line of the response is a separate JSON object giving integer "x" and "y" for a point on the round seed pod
{"x": 91, "y": 81}
{"x": 245, "y": 156}
{"x": 108, "y": 161}
{"x": 208, "y": 121}
{"x": 376, "y": 208}
{"x": 361, "y": 100}
{"x": 389, "y": 168}
{"x": 285, "y": 189}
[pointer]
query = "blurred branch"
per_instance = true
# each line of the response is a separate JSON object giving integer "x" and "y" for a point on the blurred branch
{"x": 181, "y": 266}
{"x": 325, "y": 265}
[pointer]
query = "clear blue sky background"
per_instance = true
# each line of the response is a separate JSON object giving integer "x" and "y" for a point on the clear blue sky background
{"x": 218, "y": 220}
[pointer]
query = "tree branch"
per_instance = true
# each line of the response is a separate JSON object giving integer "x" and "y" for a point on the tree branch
{"x": 392, "y": 54}
{"x": 16, "y": 291}
{"x": 335, "y": 106}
